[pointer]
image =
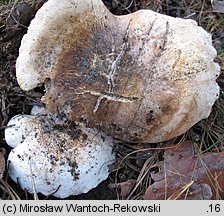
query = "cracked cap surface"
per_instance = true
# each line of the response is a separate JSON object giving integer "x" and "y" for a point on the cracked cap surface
{"x": 142, "y": 77}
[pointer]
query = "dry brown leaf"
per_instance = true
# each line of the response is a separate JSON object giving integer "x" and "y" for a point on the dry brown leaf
{"x": 2, "y": 165}
{"x": 125, "y": 187}
{"x": 182, "y": 164}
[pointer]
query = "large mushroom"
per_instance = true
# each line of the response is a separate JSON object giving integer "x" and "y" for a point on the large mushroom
{"x": 142, "y": 77}
{"x": 55, "y": 157}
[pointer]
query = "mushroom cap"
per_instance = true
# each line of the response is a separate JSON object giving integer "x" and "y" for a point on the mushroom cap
{"x": 55, "y": 159}
{"x": 142, "y": 77}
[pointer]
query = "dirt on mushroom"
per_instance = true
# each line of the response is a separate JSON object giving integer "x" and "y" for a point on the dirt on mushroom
{"x": 208, "y": 133}
{"x": 74, "y": 164}
{"x": 135, "y": 77}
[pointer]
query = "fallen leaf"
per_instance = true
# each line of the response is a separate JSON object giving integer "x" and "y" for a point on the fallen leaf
{"x": 125, "y": 187}
{"x": 184, "y": 174}
{"x": 2, "y": 165}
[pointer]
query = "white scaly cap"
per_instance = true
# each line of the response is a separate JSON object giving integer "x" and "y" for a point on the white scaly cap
{"x": 58, "y": 160}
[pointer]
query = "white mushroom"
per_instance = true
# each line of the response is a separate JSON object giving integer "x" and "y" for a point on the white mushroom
{"x": 142, "y": 77}
{"x": 56, "y": 159}
{"x": 39, "y": 110}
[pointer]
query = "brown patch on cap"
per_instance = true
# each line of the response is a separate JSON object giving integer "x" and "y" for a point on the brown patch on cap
{"x": 111, "y": 71}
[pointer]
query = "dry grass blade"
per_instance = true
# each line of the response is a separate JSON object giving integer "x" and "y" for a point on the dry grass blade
{"x": 33, "y": 182}
{"x": 179, "y": 192}
{"x": 8, "y": 190}
{"x": 144, "y": 172}
{"x": 2, "y": 164}
{"x": 211, "y": 177}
